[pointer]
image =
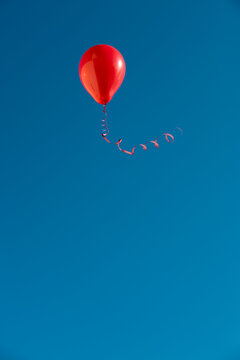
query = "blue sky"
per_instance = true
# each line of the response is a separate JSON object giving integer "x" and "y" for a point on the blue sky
{"x": 104, "y": 255}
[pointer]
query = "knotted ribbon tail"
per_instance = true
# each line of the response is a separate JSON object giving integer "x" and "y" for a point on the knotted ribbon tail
{"x": 180, "y": 130}
{"x": 128, "y": 152}
{"x": 125, "y": 151}
{"x": 143, "y": 146}
{"x": 155, "y": 143}
{"x": 105, "y": 131}
{"x": 167, "y": 136}
{"x": 104, "y": 136}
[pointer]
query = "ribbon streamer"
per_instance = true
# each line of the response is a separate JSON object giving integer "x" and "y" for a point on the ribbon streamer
{"x": 105, "y": 131}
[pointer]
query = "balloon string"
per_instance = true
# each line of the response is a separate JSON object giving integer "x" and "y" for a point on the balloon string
{"x": 105, "y": 131}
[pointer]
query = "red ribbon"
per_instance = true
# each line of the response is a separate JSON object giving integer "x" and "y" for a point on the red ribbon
{"x": 105, "y": 131}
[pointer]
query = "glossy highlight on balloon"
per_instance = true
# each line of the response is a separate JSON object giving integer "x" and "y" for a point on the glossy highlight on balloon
{"x": 102, "y": 69}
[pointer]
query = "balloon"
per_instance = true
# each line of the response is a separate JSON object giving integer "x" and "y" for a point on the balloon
{"x": 102, "y": 70}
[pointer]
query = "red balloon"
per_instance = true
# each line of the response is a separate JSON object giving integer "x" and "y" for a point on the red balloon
{"x": 102, "y": 70}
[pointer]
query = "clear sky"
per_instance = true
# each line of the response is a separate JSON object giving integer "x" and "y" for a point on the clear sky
{"x": 104, "y": 256}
